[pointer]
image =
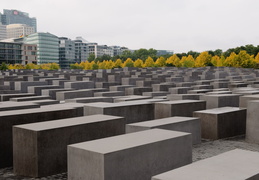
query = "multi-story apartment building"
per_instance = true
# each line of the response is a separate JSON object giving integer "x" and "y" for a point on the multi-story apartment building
{"x": 18, "y": 17}
{"x": 47, "y": 47}
{"x": 10, "y": 52}
{"x": 29, "y": 53}
{"x": 117, "y": 50}
{"x": 66, "y": 52}
{"x": 18, "y": 30}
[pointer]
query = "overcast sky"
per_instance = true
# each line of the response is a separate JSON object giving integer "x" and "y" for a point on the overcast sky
{"x": 178, "y": 25}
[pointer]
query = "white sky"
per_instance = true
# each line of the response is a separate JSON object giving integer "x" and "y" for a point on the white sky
{"x": 178, "y": 25}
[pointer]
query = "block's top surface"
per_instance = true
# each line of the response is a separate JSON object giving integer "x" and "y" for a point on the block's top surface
{"x": 49, "y": 108}
{"x": 220, "y": 110}
{"x": 126, "y": 141}
{"x": 164, "y": 121}
{"x": 121, "y": 104}
{"x": 181, "y": 101}
{"x": 223, "y": 95}
{"x": 235, "y": 165}
{"x": 47, "y": 125}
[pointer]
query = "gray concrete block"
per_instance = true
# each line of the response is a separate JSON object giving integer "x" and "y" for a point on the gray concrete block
{"x": 7, "y": 97}
{"x": 40, "y": 149}
{"x": 137, "y": 90}
{"x": 222, "y": 122}
{"x": 23, "y": 85}
{"x": 109, "y": 93}
{"x": 18, "y": 117}
{"x": 52, "y": 92}
{"x": 80, "y": 85}
{"x": 130, "y": 98}
{"x": 37, "y": 89}
{"x": 243, "y": 100}
{"x": 173, "y": 97}
{"x": 236, "y": 164}
{"x": 178, "y": 108}
{"x": 176, "y": 123}
{"x": 29, "y": 98}
{"x": 221, "y": 100}
{"x": 12, "y": 106}
{"x": 90, "y": 100}
{"x": 252, "y": 123}
{"x": 137, "y": 156}
{"x": 133, "y": 111}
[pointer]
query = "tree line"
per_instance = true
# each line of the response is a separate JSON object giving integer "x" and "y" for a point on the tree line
{"x": 241, "y": 59}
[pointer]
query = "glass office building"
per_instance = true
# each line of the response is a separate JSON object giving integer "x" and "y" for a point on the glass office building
{"x": 47, "y": 47}
{"x": 10, "y": 53}
{"x": 66, "y": 52}
{"x": 17, "y": 17}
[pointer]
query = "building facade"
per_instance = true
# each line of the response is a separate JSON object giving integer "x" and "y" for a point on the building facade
{"x": 18, "y": 17}
{"x": 10, "y": 52}
{"x": 66, "y": 52}
{"x": 29, "y": 53}
{"x": 2, "y": 32}
{"x": 81, "y": 50}
{"x": 18, "y": 30}
{"x": 47, "y": 47}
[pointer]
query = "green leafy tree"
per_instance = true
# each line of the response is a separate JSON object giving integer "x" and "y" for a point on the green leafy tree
{"x": 3, "y": 66}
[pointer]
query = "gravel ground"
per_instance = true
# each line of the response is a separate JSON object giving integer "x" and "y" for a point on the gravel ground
{"x": 204, "y": 150}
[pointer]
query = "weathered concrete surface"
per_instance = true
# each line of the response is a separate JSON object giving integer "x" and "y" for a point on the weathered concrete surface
{"x": 222, "y": 122}
{"x": 236, "y": 164}
{"x": 176, "y": 123}
{"x": 40, "y": 149}
{"x": 136, "y": 156}
{"x": 178, "y": 108}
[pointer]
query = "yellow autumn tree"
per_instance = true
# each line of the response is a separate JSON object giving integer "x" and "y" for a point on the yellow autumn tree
{"x": 245, "y": 60}
{"x": 149, "y": 62}
{"x": 175, "y": 60}
{"x": 160, "y": 62}
{"x": 102, "y": 65}
{"x": 169, "y": 61}
{"x": 128, "y": 63}
{"x": 230, "y": 61}
{"x": 215, "y": 60}
{"x": 110, "y": 64}
{"x": 187, "y": 61}
{"x": 118, "y": 63}
{"x": 203, "y": 60}
{"x": 257, "y": 58}
{"x": 138, "y": 63}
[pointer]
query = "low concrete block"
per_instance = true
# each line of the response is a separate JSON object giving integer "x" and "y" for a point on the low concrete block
{"x": 178, "y": 108}
{"x": 222, "y": 122}
{"x": 137, "y": 156}
{"x": 252, "y": 123}
{"x": 235, "y": 165}
{"x": 221, "y": 100}
{"x": 133, "y": 111}
{"x": 40, "y": 149}
{"x": 7, "y": 97}
{"x": 176, "y": 123}
{"x": 37, "y": 89}
{"x": 29, "y": 98}
{"x": 80, "y": 85}
{"x": 243, "y": 100}
{"x": 90, "y": 100}
{"x": 109, "y": 93}
{"x": 18, "y": 117}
